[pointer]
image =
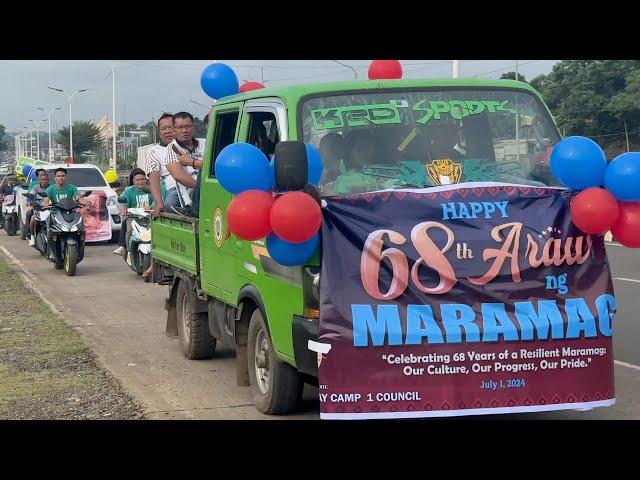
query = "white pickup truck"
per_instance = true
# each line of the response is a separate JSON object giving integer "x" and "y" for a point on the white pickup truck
{"x": 84, "y": 176}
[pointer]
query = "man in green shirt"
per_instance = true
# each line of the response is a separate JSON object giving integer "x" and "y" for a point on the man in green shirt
{"x": 136, "y": 198}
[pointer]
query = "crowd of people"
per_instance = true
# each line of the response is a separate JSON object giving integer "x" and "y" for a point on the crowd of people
{"x": 173, "y": 173}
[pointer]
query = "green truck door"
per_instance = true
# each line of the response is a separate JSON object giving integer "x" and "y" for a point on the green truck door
{"x": 216, "y": 245}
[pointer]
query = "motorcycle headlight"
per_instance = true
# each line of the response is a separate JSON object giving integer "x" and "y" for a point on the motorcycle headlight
{"x": 64, "y": 228}
{"x": 74, "y": 228}
{"x": 112, "y": 201}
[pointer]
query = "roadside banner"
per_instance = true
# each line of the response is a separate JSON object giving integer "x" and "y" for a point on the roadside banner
{"x": 461, "y": 300}
{"x": 96, "y": 219}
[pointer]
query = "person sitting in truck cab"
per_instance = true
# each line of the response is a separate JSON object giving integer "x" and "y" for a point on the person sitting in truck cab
{"x": 360, "y": 152}
{"x": 332, "y": 151}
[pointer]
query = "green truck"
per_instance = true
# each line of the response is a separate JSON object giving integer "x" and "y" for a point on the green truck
{"x": 372, "y": 135}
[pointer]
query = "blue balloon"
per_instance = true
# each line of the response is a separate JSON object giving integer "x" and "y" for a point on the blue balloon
{"x": 579, "y": 163}
{"x": 219, "y": 80}
{"x": 622, "y": 178}
{"x": 314, "y": 161}
{"x": 241, "y": 166}
{"x": 290, "y": 254}
{"x": 26, "y": 170}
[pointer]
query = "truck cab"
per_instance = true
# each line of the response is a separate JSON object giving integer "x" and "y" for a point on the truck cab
{"x": 372, "y": 135}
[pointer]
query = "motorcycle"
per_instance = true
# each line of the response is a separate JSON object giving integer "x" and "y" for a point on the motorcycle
{"x": 66, "y": 230}
{"x": 41, "y": 215}
{"x": 139, "y": 244}
{"x": 10, "y": 214}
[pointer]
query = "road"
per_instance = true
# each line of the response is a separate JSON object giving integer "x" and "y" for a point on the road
{"x": 123, "y": 320}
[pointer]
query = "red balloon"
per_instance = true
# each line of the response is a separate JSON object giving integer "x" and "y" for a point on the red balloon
{"x": 247, "y": 87}
{"x": 626, "y": 230}
{"x": 248, "y": 214}
{"x": 594, "y": 210}
{"x": 296, "y": 217}
{"x": 385, "y": 69}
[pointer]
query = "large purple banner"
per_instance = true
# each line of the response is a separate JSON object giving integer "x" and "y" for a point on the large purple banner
{"x": 461, "y": 301}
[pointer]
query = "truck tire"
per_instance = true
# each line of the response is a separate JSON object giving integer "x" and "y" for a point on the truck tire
{"x": 275, "y": 385}
{"x": 196, "y": 343}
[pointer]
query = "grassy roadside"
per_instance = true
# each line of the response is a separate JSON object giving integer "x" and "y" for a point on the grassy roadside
{"x": 46, "y": 371}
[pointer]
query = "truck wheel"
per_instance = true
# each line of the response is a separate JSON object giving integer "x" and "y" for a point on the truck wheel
{"x": 276, "y": 386}
{"x": 195, "y": 340}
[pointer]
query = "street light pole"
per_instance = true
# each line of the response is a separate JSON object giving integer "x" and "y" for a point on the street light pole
{"x": 37, "y": 124}
{"x": 70, "y": 98}
{"x": 456, "y": 69}
{"x": 49, "y": 113}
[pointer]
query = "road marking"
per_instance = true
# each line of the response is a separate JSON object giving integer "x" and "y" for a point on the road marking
{"x": 628, "y": 365}
{"x": 613, "y": 244}
{"x": 627, "y": 279}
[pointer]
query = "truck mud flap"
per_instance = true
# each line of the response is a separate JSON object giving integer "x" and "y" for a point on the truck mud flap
{"x": 303, "y": 330}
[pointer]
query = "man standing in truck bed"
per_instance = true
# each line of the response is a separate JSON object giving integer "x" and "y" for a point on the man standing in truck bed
{"x": 184, "y": 157}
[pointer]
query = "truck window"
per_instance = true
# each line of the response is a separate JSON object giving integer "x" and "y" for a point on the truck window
{"x": 225, "y": 134}
{"x": 80, "y": 177}
{"x": 397, "y": 139}
{"x": 263, "y": 132}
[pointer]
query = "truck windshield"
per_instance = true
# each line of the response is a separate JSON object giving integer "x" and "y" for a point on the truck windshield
{"x": 81, "y": 177}
{"x": 418, "y": 139}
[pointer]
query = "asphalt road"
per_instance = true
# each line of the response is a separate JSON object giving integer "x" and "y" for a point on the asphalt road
{"x": 123, "y": 320}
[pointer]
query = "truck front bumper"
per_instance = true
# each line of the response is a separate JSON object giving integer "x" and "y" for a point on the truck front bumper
{"x": 303, "y": 330}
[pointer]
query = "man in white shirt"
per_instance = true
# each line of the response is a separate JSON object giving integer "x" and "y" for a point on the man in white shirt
{"x": 184, "y": 157}
{"x": 157, "y": 170}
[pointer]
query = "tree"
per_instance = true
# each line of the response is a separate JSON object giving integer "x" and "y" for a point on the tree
{"x": 3, "y": 143}
{"x": 512, "y": 76}
{"x": 86, "y": 137}
{"x": 594, "y": 98}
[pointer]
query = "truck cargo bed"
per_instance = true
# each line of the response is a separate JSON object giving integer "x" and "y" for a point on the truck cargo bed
{"x": 174, "y": 240}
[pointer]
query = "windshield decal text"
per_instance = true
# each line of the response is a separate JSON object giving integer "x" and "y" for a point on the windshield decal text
{"x": 458, "y": 109}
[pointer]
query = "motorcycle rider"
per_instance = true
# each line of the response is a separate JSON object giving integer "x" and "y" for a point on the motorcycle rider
{"x": 41, "y": 185}
{"x": 59, "y": 190}
{"x": 136, "y": 198}
{"x": 6, "y": 189}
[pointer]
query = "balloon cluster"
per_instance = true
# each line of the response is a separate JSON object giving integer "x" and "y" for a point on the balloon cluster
{"x": 580, "y": 164}
{"x": 290, "y": 220}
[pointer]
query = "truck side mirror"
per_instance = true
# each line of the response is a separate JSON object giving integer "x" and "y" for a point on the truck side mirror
{"x": 290, "y": 165}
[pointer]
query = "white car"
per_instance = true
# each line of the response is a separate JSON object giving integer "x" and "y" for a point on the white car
{"x": 84, "y": 176}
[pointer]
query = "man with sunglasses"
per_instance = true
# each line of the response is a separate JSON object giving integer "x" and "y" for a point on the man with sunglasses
{"x": 184, "y": 157}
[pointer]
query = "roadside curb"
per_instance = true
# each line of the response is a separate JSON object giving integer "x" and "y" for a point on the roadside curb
{"x": 29, "y": 280}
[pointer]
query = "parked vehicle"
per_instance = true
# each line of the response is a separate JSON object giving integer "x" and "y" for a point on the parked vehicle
{"x": 229, "y": 290}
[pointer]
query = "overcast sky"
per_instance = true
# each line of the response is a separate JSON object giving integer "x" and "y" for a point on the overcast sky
{"x": 145, "y": 88}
